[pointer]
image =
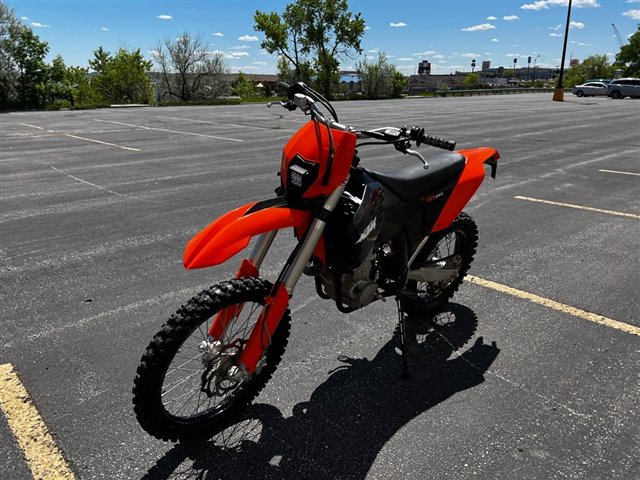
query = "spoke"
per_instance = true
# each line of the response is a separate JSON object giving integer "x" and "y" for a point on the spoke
{"x": 174, "y": 386}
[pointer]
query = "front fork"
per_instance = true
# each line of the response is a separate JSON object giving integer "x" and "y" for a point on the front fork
{"x": 277, "y": 301}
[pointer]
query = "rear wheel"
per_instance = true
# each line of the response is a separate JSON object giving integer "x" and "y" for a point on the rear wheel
{"x": 187, "y": 385}
{"x": 451, "y": 249}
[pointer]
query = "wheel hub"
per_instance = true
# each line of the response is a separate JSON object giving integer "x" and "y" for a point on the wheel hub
{"x": 221, "y": 370}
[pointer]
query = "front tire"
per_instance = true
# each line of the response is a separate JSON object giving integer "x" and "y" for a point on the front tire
{"x": 616, "y": 95}
{"x": 453, "y": 247}
{"x": 184, "y": 387}
{"x": 579, "y": 93}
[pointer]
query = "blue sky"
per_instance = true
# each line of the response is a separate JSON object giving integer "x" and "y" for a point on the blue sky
{"x": 447, "y": 33}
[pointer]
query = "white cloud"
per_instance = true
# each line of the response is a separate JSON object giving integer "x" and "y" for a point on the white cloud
{"x": 555, "y": 35}
{"x": 230, "y": 55}
{"x": 578, "y": 25}
{"x": 105, "y": 29}
{"x": 470, "y": 55}
{"x": 164, "y": 17}
{"x": 374, "y": 50}
{"x": 39, "y": 25}
{"x": 635, "y": 14}
{"x": 495, "y": 40}
{"x": 406, "y": 59}
{"x": 248, "y": 38}
{"x": 510, "y": 18}
{"x": 544, "y": 4}
{"x": 476, "y": 28}
{"x": 438, "y": 56}
{"x": 581, "y": 44}
{"x": 556, "y": 28}
{"x": 260, "y": 63}
{"x": 218, "y": 34}
{"x": 492, "y": 18}
{"x": 240, "y": 47}
{"x": 424, "y": 54}
{"x": 24, "y": 18}
{"x": 399, "y": 24}
{"x": 367, "y": 27}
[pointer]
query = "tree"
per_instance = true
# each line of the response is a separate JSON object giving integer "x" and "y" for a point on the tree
{"x": 595, "y": 66}
{"x": 322, "y": 30}
{"x": 471, "y": 80}
{"x": 399, "y": 83}
{"x": 28, "y": 53}
{"x": 376, "y": 78}
{"x": 245, "y": 87}
{"x": 188, "y": 70}
{"x": 122, "y": 78}
{"x": 629, "y": 56}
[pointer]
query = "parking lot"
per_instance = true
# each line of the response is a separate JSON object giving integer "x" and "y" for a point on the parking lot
{"x": 536, "y": 375}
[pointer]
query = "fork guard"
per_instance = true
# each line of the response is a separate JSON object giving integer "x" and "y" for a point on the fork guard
{"x": 231, "y": 232}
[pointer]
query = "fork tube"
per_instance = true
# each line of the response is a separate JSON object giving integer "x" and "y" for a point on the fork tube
{"x": 262, "y": 246}
{"x": 293, "y": 273}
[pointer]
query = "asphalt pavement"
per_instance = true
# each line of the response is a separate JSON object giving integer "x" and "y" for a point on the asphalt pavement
{"x": 97, "y": 206}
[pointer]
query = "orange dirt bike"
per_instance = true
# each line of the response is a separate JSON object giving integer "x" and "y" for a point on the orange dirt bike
{"x": 362, "y": 235}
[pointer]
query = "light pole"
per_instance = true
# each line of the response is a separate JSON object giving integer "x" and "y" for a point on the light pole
{"x": 534, "y": 68}
{"x": 558, "y": 94}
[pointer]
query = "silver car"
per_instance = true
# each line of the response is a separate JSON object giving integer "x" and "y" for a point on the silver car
{"x": 624, "y": 87}
{"x": 590, "y": 89}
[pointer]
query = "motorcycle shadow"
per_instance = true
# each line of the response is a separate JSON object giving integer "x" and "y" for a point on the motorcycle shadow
{"x": 339, "y": 432}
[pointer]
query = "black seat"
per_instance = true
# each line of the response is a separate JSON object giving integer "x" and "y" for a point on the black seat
{"x": 412, "y": 181}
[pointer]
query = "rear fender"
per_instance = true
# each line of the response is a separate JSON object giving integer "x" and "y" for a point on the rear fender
{"x": 468, "y": 183}
{"x": 232, "y": 232}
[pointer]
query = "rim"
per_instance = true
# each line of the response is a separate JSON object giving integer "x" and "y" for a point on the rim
{"x": 447, "y": 253}
{"x": 198, "y": 380}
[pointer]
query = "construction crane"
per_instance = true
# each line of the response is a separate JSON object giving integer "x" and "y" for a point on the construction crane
{"x": 615, "y": 30}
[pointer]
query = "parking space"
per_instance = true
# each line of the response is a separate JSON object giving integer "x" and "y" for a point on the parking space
{"x": 96, "y": 206}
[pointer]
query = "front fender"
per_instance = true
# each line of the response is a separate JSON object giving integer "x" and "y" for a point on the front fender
{"x": 232, "y": 232}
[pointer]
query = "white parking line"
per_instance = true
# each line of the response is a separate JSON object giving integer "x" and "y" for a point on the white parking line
{"x": 619, "y": 172}
{"x": 53, "y": 132}
{"x": 579, "y": 207}
{"x": 170, "y": 131}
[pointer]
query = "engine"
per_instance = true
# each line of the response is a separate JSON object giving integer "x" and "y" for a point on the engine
{"x": 351, "y": 278}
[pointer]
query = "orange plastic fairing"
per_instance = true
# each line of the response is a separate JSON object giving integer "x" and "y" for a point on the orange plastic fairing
{"x": 468, "y": 183}
{"x": 232, "y": 232}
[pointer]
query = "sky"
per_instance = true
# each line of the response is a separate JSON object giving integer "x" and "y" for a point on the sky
{"x": 447, "y": 33}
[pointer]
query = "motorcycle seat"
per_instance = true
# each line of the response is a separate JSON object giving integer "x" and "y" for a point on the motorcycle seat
{"x": 413, "y": 181}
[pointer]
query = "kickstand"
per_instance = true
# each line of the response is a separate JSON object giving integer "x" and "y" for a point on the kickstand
{"x": 402, "y": 333}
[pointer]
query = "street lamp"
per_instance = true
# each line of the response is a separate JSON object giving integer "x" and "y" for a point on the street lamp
{"x": 558, "y": 94}
{"x": 534, "y": 67}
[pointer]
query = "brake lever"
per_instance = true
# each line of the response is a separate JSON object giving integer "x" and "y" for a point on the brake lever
{"x": 289, "y": 105}
{"x": 419, "y": 156}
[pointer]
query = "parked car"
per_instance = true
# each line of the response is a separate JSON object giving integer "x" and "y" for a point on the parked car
{"x": 624, "y": 87}
{"x": 590, "y": 89}
{"x": 606, "y": 81}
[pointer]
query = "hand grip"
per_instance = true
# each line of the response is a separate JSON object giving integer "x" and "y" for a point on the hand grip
{"x": 417, "y": 135}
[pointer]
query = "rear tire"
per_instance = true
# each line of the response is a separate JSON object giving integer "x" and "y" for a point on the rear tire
{"x": 453, "y": 247}
{"x": 579, "y": 93}
{"x": 179, "y": 404}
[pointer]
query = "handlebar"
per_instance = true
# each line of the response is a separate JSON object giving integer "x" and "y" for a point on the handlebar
{"x": 417, "y": 134}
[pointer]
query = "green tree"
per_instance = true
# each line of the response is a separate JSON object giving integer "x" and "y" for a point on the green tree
{"x": 23, "y": 57}
{"x": 376, "y": 78}
{"x": 629, "y": 56}
{"x": 322, "y": 30}
{"x": 122, "y": 78}
{"x": 595, "y": 66}
{"x": 399, "y": 83}
{"x": 472, "y": 80}
{"x": 189, "y": 70}
{"x": 245, "y": 87}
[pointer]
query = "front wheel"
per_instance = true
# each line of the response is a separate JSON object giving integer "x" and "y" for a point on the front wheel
{"x": 580, "y": 93}
{"x": 616, "y": 95}
{"x": 452, "y": 249}
{"x": 187, "y": 385}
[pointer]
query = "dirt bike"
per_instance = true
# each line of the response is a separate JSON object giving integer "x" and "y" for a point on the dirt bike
{"x": 363, "y": 236}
